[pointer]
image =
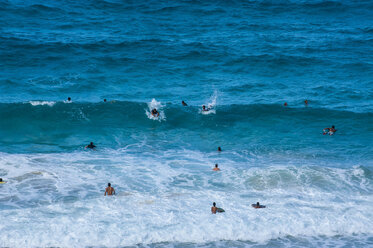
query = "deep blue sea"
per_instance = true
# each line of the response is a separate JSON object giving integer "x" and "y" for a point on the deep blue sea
{"x": 242, "y": 59}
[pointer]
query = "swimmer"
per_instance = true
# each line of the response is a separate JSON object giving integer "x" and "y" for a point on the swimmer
{"x": 216, "y": 168}
{"x": 1, "y": 179}
{"x": 329, "y": 130}
{"x": 257, "y": 205}
{"x": 204, "y": 108}
{"x": 90, "y": 146}
{"x": 219, "y": 149}
{"x": 104, "y": 100}
{"x": 109, "y": 190}
{"x": 214, "y": 208}
{"x": 306, "y": 102}
{"x": 285, "y": 104}
{"x": 155, "y": 113}
{"x": 69, "y": 99}
{"x": 184, "y": 103}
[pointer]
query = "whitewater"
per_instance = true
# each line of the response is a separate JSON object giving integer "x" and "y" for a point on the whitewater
{"x": 243, "y": 60}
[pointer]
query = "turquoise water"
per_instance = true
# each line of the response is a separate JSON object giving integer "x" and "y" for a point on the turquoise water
{"x": 245, "y": 59}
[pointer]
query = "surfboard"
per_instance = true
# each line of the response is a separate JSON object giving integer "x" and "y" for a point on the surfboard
{"x": 220, "y": 210}
{"x": 255, "y": 206}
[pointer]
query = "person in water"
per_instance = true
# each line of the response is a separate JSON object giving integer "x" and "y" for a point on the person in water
{"x": 204, "y": 108}
{"x": 257, "y": 205}
{"x": 91, "y": 146}
{"x": 104, "y": 100}
{"x": 69, "y": 99}
{"x": 306, "y": 102}
{"x": 184, "y": 103}
{"x": 214, "y": 208}
{"x": 109, "y": 190}
{"x": 329, "y": 130}
{"x": 1, "y": 179}
{"x": 219, "y": 149}
{"x": 216, "y": 168}
{"x": 155, "y": 113}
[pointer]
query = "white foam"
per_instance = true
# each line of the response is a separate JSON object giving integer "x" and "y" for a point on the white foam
{"x": 155, "y": 105}
{"x": 57, "y": 199}
{"x": 41, "y": 103}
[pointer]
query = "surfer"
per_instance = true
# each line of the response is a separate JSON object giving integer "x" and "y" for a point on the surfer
{"x": 329, "y": 130}
{"x": 214, "y": 208}
{"x": 69, "y": 99}
{"x": 109, "y": 190}
{"x": 219, "y": 149}
{"x": 155, "y": 113}
{"x": 306, "y": 102}
{"x": 104, "y": 100}
{"x": 90, "y": 146}
{"x": 216, "y": 168}
{"x": 257, "y": 205}
{"x": 204, "y": 108}
{"x": 184, "y": 103}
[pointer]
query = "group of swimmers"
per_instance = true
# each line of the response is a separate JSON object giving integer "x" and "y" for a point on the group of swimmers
{"x": 215, "y": 209}
{"x": 155, "y": 112}
{"x": 111, "y": 191}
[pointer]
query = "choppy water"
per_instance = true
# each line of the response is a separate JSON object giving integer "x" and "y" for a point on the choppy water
{"x": 243, "y": 58}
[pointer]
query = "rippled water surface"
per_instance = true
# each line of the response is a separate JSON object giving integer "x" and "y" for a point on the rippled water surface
{"x": 242, "y": 59}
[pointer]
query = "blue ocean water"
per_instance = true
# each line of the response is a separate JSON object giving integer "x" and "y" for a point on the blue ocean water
{"x": 245, "y": 59}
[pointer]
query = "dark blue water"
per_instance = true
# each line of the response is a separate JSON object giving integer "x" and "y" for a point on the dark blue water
{"x": 245, "y": 59}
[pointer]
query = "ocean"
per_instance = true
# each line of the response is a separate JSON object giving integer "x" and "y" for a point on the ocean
{"x": 242, "y": 59}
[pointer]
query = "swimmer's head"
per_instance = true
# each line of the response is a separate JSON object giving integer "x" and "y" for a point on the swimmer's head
{"x": 214, "y": 204}
{"x": 333, "y": 127}
{"x": 109, "y": 184}
{"x": 203, "y": 107}
{"x": 257, "y": 204}
{"x": 285, "y": 104}
{"x": 216, "y": 165}
{"x": 91, "y": 143}
{"x": 104, "y": 100}
{"x": 219, "y": 149}
{"x": 69, "y": 98}
{"x": 1, "y": 179}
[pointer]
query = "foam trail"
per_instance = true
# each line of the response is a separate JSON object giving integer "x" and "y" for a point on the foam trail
{"x": 155, "y": 105}
{"x": 42, "y": 103}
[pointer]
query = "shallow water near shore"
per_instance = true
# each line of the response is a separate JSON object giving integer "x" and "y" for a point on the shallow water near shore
{"x": 242, "y": 59}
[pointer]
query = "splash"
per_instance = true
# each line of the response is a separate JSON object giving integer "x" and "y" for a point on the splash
{"x": 155, "y": 105}
{"x": 211, "y": 105}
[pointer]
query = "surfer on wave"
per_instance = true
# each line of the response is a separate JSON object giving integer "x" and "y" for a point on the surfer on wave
{"x": 155, "y": 113}
{"x": 257, "y": 205}
{"x": 205, "y": 109}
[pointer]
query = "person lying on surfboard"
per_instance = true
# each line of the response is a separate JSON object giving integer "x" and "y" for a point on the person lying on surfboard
{"x": 329, "y": 130}
{"x": 155, "y": 113}
{"x": 257, "y": 205}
